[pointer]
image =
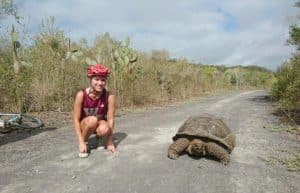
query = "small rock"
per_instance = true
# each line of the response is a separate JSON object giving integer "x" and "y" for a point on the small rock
{"x": 100, "y": 147}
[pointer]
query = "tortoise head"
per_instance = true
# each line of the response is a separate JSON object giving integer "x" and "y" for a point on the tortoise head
{"x": 197, "y": 148}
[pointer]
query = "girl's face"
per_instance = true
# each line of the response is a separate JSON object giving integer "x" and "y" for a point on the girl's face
{"x": 98, "y": 83}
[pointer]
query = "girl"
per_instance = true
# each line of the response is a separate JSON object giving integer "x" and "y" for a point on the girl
{"x": 94, "y": 110}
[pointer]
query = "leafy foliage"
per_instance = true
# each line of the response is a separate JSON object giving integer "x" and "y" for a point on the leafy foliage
{"x": 7, "y": 7}
{"x": 252, "y": 77}
{"x": 58, "y": 66}
{"x": 295, "y": 36}
{"x": 286, "y": 89}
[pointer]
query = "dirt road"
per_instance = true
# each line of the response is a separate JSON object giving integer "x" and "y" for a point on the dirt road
{"x": 47, "y": 161}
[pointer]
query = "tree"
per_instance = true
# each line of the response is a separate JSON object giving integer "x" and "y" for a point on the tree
{"x": 286, "y": 89}
{"x": 8, "y": 7}
{"x": 295, "y": 36}
{"x": 295, "y": 32}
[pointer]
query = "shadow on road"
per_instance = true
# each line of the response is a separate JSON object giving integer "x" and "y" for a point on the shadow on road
{"x": 95, "y": 142}
{"x": 19, "y": 134}
{"x": 293, "y": 117}
{"x": 261, "y": 99}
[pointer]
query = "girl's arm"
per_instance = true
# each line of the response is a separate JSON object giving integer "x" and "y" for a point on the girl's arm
{"x": 110, "y": 121}
{"x": 76, "y": 115}
{"x": 111, "y": 111}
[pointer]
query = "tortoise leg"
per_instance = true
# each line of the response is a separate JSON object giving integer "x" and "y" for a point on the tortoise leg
{"x": 196, "y": 148}
{"x": 218, "y": 152}
{"x": 177, "y": 147}
{"x": 230, "y": 140}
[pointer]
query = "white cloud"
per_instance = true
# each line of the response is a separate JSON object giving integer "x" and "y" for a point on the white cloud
{"x": 245, "y": 32}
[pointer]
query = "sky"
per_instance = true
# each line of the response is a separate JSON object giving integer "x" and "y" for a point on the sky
{"x": 218, "y": 32}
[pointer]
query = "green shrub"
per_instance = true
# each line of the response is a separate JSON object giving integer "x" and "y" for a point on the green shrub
{"x": 286, "y": 89}
{"x": 56, "y": 70}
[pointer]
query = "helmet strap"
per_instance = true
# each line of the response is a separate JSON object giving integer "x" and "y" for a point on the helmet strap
{"x": 92, "y": 91}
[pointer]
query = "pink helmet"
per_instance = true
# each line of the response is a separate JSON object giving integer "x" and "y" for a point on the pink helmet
{"x": 97, "y": 70}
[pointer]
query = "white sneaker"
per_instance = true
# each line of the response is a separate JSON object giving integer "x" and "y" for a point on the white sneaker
{"x": 83, "y": 155}
{"x": 99, "y": 143}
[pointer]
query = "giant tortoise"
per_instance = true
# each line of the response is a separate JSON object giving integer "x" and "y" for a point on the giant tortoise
{"x": 205, "y": 135}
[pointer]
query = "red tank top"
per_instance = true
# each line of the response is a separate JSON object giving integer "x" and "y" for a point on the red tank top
{"x": 98, "y": 107}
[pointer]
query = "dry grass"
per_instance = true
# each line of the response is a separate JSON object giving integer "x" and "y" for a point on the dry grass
{"x": 292, "y": 164}
{"x": 51, "y": 81}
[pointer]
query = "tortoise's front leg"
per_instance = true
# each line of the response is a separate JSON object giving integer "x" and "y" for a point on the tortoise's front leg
{"x": 217, "y": 151}
{"x": 231, "y": 141}
{"x": 177, "y": 147}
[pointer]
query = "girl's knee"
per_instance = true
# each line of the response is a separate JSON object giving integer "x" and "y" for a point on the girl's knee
{"x": 103, "y": 129}
{"x": 90, "y": 122}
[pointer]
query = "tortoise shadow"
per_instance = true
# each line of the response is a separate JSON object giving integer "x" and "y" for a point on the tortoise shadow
{"x": 206, "y": 157}
{"x": 95, "y": 142}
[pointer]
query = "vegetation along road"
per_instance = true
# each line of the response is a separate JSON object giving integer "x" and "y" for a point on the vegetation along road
{"x": 46, "y": 161}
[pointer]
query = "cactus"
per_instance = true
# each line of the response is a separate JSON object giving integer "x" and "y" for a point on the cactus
{"x": 16, "y": 45}
{"x": 17, "y": 62}
{"x": 124, "y": 56}
{"x": 74, "y": 55}
{"x": 123, "y": 64}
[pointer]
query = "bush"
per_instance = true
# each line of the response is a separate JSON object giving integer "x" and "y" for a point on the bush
{"x": 286, "y": 89}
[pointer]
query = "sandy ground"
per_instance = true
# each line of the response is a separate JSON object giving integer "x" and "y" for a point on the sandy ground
{"x": 46, "y": 160}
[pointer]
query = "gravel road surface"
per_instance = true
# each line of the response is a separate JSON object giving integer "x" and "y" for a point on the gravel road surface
{"x": 47, "y": 161}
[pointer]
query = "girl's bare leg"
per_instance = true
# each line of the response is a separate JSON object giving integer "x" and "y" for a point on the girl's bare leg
{"x": 103, "y": 129}
{"x": 88, "y": 126}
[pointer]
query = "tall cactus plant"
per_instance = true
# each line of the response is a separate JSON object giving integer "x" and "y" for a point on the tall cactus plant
{"x": 15, "y": 45}
{"x": 124, "y": 59}
{"x": 17, "y": 62}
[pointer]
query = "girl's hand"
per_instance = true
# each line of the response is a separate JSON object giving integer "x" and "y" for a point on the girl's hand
{"x": 82, "y": 147}
{"x": 111, "y": 148}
